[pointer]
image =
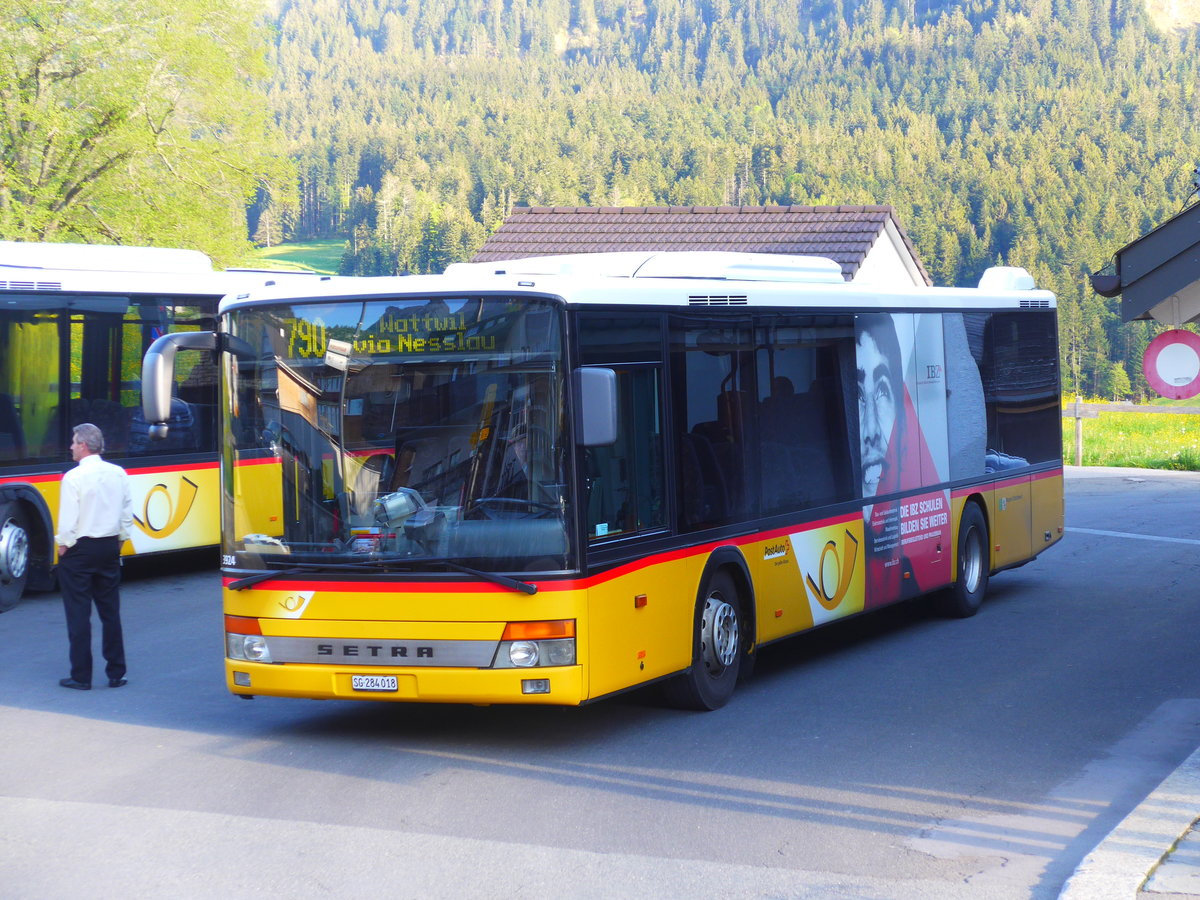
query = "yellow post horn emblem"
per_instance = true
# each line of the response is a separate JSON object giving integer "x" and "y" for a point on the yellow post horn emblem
{"x": 177, "y": 512}
{"x": 845, "y": 572}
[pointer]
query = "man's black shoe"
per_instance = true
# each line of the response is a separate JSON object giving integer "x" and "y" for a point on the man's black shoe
{"x": 74, "y": 685}
{"x": 117, "y": 682}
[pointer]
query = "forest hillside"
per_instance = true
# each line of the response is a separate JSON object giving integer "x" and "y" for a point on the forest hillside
{"x": 1039, "y": 133}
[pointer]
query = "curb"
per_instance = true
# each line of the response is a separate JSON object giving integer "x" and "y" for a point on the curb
{"x": 1124, "y": 861}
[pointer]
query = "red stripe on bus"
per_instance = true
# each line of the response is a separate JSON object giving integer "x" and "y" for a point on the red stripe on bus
{"x": 183, "y": 467}
{"x": 1041, "y": 476}
{"x": 263, "y": 461}
{"x": 482, "y": 587}
{"x": 1005, "y": 483}
{"x": 572, "y": 584}
{"x": 31, "y": 479}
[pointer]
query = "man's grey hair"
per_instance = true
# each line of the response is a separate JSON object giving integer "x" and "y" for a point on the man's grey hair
{"x": 90, "y": 436}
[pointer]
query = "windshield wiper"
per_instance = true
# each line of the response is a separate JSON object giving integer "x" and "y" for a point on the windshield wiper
{"x": 301, "y": 568}
{"x": 502, "y": 580}
{"x": 298, "y": 569}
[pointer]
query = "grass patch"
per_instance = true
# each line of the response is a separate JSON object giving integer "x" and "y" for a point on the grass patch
{"x": 312, "y": 256}
{"x": 1137, "y": 440}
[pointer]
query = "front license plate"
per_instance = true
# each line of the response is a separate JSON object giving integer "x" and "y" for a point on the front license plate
{"x": 373, "y": 682}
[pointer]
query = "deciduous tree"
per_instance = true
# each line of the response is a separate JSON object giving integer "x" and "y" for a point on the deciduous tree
{"x": 132, "y": 122}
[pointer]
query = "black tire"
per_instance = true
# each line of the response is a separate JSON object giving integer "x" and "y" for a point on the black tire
{"x": 14, "y": 554}
{"x": 963, "y": 598}
{"x": 718, "y": 648}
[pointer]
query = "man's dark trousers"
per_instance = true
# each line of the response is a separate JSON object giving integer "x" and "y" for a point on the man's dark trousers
{"x": 88, "y": 572}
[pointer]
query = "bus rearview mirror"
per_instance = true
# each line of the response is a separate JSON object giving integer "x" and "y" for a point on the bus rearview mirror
{"x": 595, "y": 406}
{"x": 158, "y": 375}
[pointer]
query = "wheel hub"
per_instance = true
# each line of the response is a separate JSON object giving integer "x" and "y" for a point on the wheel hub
{"x": 14, "y": 550}
{"x": 719, "y": 635}
{"x": 972, "y": 561}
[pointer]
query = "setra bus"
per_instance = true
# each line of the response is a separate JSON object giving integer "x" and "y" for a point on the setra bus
{"x": 75, "y": 322}
{"x": 551, "y": 480}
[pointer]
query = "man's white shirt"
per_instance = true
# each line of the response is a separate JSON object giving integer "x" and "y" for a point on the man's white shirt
{"x": 86, "y": 507}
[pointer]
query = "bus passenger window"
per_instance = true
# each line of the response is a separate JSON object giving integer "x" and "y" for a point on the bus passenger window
{"x": 1017, "y": 354}
{"x": 805, "y": 454}
{"x": 29, "y": 386}
{"x": 625, "y": 481}
{"x": 711, "y": 362}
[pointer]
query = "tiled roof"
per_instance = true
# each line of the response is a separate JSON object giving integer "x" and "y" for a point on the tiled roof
{"x": 842, "y": 233}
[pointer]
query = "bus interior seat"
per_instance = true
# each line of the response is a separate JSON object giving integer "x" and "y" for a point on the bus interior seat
{"x": 705, "y": 494}
{"x": 12, "y": 435}
{"x": 107, "y": 415}
{"x": 181, "y": 430}
{"x": 798, "y": 426}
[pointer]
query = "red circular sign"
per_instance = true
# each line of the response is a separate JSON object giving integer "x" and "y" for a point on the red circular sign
{"x": 1172, "y": 364}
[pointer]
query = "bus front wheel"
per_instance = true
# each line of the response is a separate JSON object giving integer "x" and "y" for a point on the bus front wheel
{"x": 717, "y": 649}
{"x": 965, "y": 596}
{"x": 14, "y": 554}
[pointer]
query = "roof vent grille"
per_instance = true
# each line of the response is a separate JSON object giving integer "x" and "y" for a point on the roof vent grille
{"x": 31, "y": 285}
{"x": 1035, "y": 304}
{"x": 718, "y": 300}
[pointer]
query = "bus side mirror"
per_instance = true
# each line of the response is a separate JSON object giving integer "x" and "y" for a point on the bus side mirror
{"x": 595, "y": 406}
{"x": 158, "y": 375}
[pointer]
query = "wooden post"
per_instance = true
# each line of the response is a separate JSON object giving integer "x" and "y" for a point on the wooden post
{"x": 1078, "y": 433}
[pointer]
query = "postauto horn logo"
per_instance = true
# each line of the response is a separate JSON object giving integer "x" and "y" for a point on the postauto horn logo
{"x": 177, "y": 509}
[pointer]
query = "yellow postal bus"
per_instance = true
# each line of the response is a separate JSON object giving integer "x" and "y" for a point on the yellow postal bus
{"x": 75, "y": 322}
{"x": 552, "y": 480}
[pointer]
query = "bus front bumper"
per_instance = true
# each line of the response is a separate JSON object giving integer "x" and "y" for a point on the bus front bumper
{"x": 559, "y": 686}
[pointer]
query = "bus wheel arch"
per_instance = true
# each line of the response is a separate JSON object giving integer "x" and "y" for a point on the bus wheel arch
{"x": 972, "y": 561}
{"x": 26, "y": 534}
{"x": 722, "y": 636}
{"x": 14, "y": 553}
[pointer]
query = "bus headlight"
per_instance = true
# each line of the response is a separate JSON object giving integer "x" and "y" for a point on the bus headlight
{"x": 527, "y": 654}
{"x": 527, "y": 645}
{"x": 523, "y": 653}
{"x": 250, "y": 647}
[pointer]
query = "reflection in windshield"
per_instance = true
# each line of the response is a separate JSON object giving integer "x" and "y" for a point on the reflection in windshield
{"x": 397, "y": 429}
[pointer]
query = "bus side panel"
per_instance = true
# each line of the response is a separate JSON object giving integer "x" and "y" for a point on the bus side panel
{"x": 175, "y": 507}
{"x": 640, "y": 623}
{"x": 1010, "y": 518}
{"x": 1047, "y": 490}
{"x": 808, "y": 577}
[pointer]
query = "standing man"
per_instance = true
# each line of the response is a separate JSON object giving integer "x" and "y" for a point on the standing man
{"x": 95, "y": 514}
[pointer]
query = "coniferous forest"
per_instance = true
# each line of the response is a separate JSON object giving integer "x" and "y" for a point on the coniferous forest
{"x": 1039, "y": 133}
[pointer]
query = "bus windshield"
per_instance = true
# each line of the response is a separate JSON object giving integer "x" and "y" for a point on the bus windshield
{"x": 408, "y": 433}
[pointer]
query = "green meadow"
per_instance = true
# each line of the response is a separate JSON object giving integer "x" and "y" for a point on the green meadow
{"x": 1136, "y": 439}
{"x": 315, "y": 256}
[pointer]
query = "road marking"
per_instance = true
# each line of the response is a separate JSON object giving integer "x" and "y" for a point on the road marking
{"x": 1136, "y": 537}
{"x": 1049, "y": 839}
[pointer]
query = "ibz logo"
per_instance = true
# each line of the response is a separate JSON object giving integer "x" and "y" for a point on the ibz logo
{"x": 176, "y": 510}
{"x": 839, "y": 564}
{"x": 933, "y": 373}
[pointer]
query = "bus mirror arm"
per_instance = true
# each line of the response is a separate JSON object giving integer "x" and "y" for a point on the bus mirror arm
{"x": 595, "y": 406}
{"x": 158, "y": 375}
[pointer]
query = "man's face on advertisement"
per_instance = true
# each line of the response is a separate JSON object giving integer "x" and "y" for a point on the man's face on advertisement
{"x": 876, "y": 410}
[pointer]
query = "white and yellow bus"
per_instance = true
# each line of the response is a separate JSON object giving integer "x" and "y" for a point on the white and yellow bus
{"x": 75, "y": 322}
{"x": 552, "y": 480}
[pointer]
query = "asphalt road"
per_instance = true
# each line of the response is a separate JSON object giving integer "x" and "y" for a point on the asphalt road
{"x": 897, "y": 756}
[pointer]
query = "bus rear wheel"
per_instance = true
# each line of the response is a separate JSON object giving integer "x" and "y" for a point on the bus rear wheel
{"x": 717, "y": 649}
{"x": 14, "y": 554}
{"x": 963, "y": 598}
